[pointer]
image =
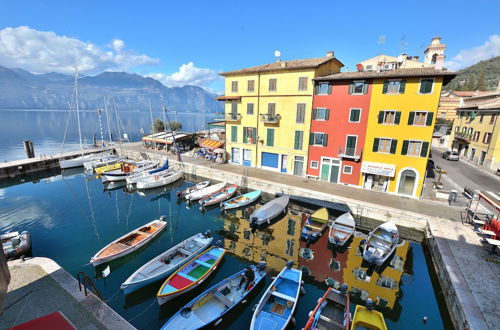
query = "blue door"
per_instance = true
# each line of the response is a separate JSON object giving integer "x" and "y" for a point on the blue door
{"x": 270, "y": 160}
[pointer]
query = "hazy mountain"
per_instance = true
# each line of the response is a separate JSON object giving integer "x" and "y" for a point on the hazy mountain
{"x": 483, "y": 76}
{"x": 20, "y": 89}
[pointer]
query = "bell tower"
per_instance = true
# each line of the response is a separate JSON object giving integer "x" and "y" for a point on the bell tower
{"x": 434, "y": 54}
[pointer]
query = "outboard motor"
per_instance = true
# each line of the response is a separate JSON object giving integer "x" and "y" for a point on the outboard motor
{"x": 369, "y": 304}
{"x": 261, "y": 265}
{"x": 343, "y": 288}
{"x": 218, "y": 243}
{"x": 207, "y": 233}
{"x": 252, "y": 221}
{"x": 163, "y": 218}
{"x": 289, "y": 264}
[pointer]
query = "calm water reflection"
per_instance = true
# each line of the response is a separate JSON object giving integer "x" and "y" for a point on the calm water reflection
{"x": 72, "y": 216}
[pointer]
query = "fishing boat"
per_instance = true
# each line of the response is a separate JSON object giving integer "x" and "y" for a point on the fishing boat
{"x": 102, "y": 161}
{"x": 276, "y": 307}
{"x": 342, "y": 229}
{"x": 207, "y": 191}
{"x": 15, "y": 245}
{"x": 269, "y": 211}
{"x": 168, "y": 262}
{"x": 241, "y": 201}
{"x": 193, "y": 188}
{"x": 219, "y": 196}
{"x": 134, "y": 178}
{"x": 381, "y": 243}
{"x": 130, "y": 242}
{"x": 367, "y": 318}
{"x": 314, "y": 225}
{"x": 191, "y": 274}
{"x": 126, "y": 169}
{"x": 331, "y": 312}
{"x": 159, "y": 179}
{"x": 210, "y": 307}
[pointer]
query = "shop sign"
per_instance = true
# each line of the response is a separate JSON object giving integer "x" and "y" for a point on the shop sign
{"x": 378, "y": 169}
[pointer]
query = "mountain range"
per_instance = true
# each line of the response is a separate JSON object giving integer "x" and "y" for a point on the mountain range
{"x": 20, "y": 89}
{"x": 484, "y": 75}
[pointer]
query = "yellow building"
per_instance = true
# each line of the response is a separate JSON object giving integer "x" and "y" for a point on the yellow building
{"x": 475, "y": 132}
{"x": 268, "y": 113}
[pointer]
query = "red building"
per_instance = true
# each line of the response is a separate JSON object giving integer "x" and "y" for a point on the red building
{"x": 338, "y": 128}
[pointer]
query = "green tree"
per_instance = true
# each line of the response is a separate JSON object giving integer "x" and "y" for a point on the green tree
{"x": 470, "y": 83}
{"x": 158, "y": 125}
{"x": 175, "y": 125}
{"x": 481, "y": 83}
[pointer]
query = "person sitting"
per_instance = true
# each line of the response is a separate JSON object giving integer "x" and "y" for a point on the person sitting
{"x": 249, "y": 276}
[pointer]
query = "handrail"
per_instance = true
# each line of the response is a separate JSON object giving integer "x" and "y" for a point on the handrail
{"x": 85, "y": 279}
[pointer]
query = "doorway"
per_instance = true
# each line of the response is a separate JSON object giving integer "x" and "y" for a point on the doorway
{"x": 247, "y": 157}
{"x": 330, "y": 169}
{"x": 284, "y": 162}
{"x": 407, "y": 182}
{"x": 482, "y": 158}
{"x": 298, "y": 166}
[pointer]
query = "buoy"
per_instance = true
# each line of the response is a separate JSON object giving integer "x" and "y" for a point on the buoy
{"x": 424, "y": 319}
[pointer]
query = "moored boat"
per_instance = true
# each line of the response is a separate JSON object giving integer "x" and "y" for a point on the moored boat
{"x": 269, "y": 210}
{"x": 90, "y": 166}
{"x": 80, "y": 160}
{"x": 210, "y": 307}
{"x": 126, "y": 169}
{"x": 193, "y": 188}
{"x": 219, "y": 196}
{"x": 166, "y": 263}
{"x": 191, "y": 274}
{"x": 15, "y": 244}
{"x": 276, "y": 307}
{"x": 204, "y": 192}
{"x": 159, "y": 179}
{"x": 241, "y": 201}
{"x": 136, "y": 177}
{"x": 367, "y": 318}
{"x": 331, "y": 312}
{"x": 130, "y": 242}
{"x": 342, "y": 229}
{"x": 314, "y": 225}
{"x": 381, "y": 243}
{"x": 109, "y": 167}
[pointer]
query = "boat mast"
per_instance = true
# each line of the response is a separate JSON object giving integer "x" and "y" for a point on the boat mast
{"x": 173, "y": 136}
{"x": 152, "y": 121}
{"x": 99, "y": 113}
{"x": 118, "y": 124}
{"x": 77, "y": 108}
{"x": 107, "y": 118}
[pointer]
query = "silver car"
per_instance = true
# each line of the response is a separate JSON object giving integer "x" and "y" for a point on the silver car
{"x": 450, "y": 155}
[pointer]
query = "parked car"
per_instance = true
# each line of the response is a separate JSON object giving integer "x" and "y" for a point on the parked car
{"x": 450, "y": 155}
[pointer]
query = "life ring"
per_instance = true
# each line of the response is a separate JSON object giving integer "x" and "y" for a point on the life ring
{"x": 156, "y": 177}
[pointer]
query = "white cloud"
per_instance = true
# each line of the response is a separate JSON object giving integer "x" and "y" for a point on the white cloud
{"x": 467, "y": 57}
{"x": 45, "y": 51}
{"x": 188, "y": 74}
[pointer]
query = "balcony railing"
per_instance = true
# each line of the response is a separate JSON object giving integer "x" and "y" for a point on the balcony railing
{"x": 350, "y": 153}
{"x": 463, "y": 136}
{"x": 232, "y": 117}
{"x": 268, "y": 118}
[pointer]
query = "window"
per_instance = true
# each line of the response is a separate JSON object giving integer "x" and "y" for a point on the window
{"x": 481, "y": 118}
{"x": 301, "y": 113}
{"x": 355, "y": 115}
{"x": 234, "y": 133}
{"x": 420, "y": 118}
{"x": 394, "y": 87}
{"x": 460, "y": 114}
{"x": 464, "y": 129}
{"x": 234, "y": 86}
{"x": 487, "y": 138}
{"x": 470, "y": 130}
{"x": 476, "y": 136}
{"x": 319, "y": 139}
{"x": 385, "y": 145}
{"x": 350, "y": 145}
{"x": 323, "y": 88}
{"x": 426, "y": 86}
{"x": 314, "y": 164}
{"x": 389, "y": 117}
{"x": 251, "y": 86}
{"x": 272, "y": 85}
{"x": 492, "y": 119}
{"x": 415, "y": 148}
{"x": 347, "y": 169}
{"x": 358, "y": 87}
{"x": 369, "y": 67}
{"x": 271, "y": 109}
{"x": 298, "y": 165}
{"x": 249, "y": 135}
{"x": 457, "y": 129}
{"x": 249, "y": 108}
{"x": 302, "y": 83}
{"x": 299, "y": 136}
{"x": 270, "y": 137}
{"x": 321, "y": 114}
{"x": 234, "y": 108}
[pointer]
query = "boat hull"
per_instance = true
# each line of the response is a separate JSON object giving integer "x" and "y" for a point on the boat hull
{"x": 381, "y": 243}
{"x": 162, "y": 181}
{"x": 342, "y": 230}
{"x": 193, "y": 189}
{"x": 219, "y": 196}
{"x": 269, "y": 211}
{"x": 207, "y": 191}
{"x": 254, "y": 195}
{"x": 13, "y": 250}
{"x": 78, "y": 161}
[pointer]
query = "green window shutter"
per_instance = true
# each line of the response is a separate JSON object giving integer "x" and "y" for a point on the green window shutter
{"x": 375, "y": 144}
{"x": 329, "y": 89}
{"x": 365, "y": 88}
{"x": 394, "y": 144}
{"x": 311, "y": 138}
{"x": 411, "y": 118}
{"x": 386, "y": 87}
{"x": 327, "y": 114}
{"x": 402, "y": 86}
{"x": 397, "y": 119}
{"x": 380, "y": 117}
{"x": 314, "y": 114}
{"x": 316, "y": 89}
{"x": 429, "y": 118}
{"x": 425, "y": 148}
{"x": 351, "y": 88}
{"x": 325, "y": 140}
{"x": 404, "y": 151}
{"x": 234, "y": 133}
{"x": 298, "y": 140}
{"x": 270, "y": 137}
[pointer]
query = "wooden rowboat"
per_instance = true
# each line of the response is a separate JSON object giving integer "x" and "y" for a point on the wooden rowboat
{"x": 242, "y": 200}
{"x": 342, "y": 229}
{"x": 191, "y": 274}
{"x": 219, "y": 196}
{"x": 204, "y": 192}
{"x": 381, "y": 243}
{"x": 367, "y": 318}
{"x": 331, "y": 312}
{"x": 314, "y": 225}
{"x": 130, "y": 242}
{"x": 193, "y": 188}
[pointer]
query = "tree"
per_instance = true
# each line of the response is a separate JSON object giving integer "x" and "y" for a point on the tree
{"x": 443, "y": 121}
{"x": 471, "y": 83}
{"x": 158, "y": 125}
{"x": 481, "y": 83}
{"x": 175, "y": 125}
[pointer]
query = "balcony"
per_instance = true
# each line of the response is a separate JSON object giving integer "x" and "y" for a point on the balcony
{"x": 350, "y": 153}
{"x": 270, "y": 118}
{"x": 232, "y": 117}
{"x": 463, "y": 136}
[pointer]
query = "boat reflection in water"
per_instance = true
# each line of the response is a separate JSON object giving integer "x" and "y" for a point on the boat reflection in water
{"x": 321, "y": 263}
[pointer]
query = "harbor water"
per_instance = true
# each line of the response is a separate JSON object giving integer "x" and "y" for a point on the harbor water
{"x": 72, "y": 216}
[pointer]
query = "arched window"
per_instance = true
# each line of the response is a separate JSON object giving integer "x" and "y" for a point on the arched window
{"x": 433, "y": 59}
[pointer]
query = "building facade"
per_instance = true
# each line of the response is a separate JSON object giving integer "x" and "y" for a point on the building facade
{"x": 268, "y": 113}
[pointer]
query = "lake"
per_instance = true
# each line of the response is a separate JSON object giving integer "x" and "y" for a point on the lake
{"x": 72, "y": 216}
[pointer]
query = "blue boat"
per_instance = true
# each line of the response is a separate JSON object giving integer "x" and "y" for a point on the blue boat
{"x": 210, "y": 306}
{"x": 276, "y": 307}
{"x": 241, "y": 200}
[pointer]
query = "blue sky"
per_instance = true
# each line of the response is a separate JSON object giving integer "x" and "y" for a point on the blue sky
{"x": 189, "y": 42}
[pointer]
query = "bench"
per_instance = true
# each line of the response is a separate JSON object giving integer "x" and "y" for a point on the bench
{"x": 203, "y": 263}
{"x": 225, "y": 300}
{"x": 283, "y": 296}
{"x": 186, "y": 252}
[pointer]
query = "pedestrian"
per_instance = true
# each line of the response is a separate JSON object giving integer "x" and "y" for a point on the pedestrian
{"x": 249, "y": 276}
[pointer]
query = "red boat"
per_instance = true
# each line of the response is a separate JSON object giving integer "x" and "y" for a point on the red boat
{"x": 331, "y": 312}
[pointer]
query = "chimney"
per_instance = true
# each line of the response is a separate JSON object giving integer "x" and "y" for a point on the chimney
{"x": 330, "y": 53}
{"x": 439, "y": 62}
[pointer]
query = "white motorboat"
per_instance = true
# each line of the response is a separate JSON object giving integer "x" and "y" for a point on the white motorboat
{"x": 381, "y": 243}
{"x": 134, "y": 178}
{"x": 128, "y": 168}
{"x": 158, "y": 180}
{"x": 207, "y": 191}
{"x": 80, "y": 160}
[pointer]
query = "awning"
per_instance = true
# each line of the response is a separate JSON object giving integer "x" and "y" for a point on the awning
{"x": 491, "y": 198}
{"x": 228, "y": 98}
{"x": 211, "y": 144}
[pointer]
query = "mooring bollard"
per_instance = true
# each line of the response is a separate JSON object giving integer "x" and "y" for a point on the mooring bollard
{"x": 30, "y": 150}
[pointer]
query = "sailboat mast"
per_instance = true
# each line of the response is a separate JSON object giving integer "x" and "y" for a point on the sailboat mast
{"x": 77, "y": 108}
{"x": 107, "y": 119}
{"x": 173, "y": 137}
{"x": 151, "y": 114}
{"x": 118, "y": 124}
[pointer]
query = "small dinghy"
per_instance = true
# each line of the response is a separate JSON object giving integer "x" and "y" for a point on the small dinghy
{"x": 342, "y": 229}
{"x": 275, "y": 308}
{"x": 219, "y": 196}
{"x": 242, "y": 200}
{"x": 269, "y": 211}
{"x": 367, "y": 318}
{"x": 381, "y": 243}
{"x": 130, "y": 242}
{"x": 191, "y": 274}
{"x": 168, "y": 262}
{"x": 15, "y": 245}
{"x": 314, "y": 225}
{"x": 126, "y": 169}
{"x": 331, "y": 312}
{"x": 192, "y": 189}
{"x": 159, "y": 180}
{"x": 134, "y": 178}
{"x": 210, "y": 306}
{"x": 204, "y": 192}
